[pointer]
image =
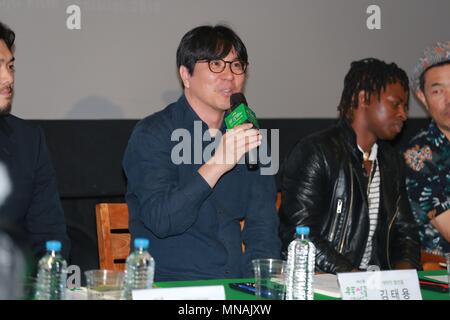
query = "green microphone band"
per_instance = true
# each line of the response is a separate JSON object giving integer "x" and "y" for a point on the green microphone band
{"x": 241, "y": 114}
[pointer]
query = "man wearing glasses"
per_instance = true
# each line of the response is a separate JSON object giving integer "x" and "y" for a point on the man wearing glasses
{"x": 191, "y": 209}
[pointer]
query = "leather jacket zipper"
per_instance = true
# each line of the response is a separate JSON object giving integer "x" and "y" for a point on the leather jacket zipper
{"x": 341, "y": 244}
{"x": 340, "y": 202}
{"x": 339, "y": 206}
{"x": 389, "y": 232}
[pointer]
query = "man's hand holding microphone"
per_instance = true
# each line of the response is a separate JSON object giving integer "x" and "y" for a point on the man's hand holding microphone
{"x": 242, "y": 138}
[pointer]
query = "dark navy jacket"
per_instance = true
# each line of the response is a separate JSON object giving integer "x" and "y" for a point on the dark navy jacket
{"x": 34, "y": 203}
{"x": 193, "y": 229}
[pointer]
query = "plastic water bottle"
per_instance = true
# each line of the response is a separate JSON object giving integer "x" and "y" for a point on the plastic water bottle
{"x": 140, "y": 268}
{"x": 300, "y": 266}
{"x": 52, "y": 274}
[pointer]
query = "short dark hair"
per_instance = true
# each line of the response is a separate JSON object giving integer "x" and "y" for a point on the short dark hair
{"x": 372, "y": 76}
{"x": 7, "y": 35}
{"x": 209, "y": 43}
{"x": 422, "y": 76}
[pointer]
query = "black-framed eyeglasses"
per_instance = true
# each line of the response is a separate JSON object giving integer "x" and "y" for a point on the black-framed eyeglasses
{"x": 237, "y": 66}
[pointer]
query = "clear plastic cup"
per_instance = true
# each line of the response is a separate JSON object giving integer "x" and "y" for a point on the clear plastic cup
{"x": 269, "y": 279}
{"x": 104, "y": 284}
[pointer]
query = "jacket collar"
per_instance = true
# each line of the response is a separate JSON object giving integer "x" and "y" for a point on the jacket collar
{"x": 6, "y": 143}
{"x": 5, "y": 128}
{"x": 349, "y": 136}
{"x": 436, "y": 136}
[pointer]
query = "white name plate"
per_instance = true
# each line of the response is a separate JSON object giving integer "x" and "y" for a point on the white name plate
{"x": 380, "y": 285}
{"x": 181, "y": 293}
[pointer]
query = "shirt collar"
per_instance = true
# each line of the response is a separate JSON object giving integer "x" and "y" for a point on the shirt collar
{"x": 373, "y": 152}
{"x": 190, "y": 115}
{"x": 438, "y": 137}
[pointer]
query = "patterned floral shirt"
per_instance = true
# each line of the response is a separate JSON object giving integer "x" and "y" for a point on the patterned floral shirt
{"x": 428, "y": 182}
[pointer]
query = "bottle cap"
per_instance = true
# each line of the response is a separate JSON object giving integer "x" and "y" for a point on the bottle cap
{"x": 302, "y": 230}
{"x": 53, "y": 245}
{"x": 373, "y": 268}
{"x": 141, "y": 243}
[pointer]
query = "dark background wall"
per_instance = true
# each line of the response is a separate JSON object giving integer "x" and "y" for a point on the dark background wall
{"x": 87, "y": 157}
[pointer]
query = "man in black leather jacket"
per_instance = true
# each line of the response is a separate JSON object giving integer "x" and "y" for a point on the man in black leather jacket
{"x": 347, "y": 183}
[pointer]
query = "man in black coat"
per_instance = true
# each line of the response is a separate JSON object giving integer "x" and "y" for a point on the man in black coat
{"x": 33, "y": 203}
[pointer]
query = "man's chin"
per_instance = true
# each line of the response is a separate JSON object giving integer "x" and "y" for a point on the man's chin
{"x": 5, "y": 110}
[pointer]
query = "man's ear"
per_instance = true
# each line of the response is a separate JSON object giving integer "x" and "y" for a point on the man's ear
{"x": 362, "y": 99}
{"x": 185, "y": 76}
{"x": 421, "y": 96}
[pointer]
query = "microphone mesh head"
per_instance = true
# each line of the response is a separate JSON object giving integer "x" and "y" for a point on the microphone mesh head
{"x": 236, "y": 99}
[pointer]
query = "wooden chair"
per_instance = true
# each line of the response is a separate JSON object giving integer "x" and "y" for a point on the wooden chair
{"x": 278, "y": 201}
{"x": 114, "y": 238}
{"x": 113, "y": 235}
{"x": 431, "y": 261}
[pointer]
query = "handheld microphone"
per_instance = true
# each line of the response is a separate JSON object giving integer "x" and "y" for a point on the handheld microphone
{"x": 240, "y": 113}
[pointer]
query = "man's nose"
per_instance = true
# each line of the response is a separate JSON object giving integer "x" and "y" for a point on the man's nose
{"x": 403, "y": 113}
{"x": 447, "y": 96}
{"x": 227, "y": 73}
{"x": 6, "y": 76}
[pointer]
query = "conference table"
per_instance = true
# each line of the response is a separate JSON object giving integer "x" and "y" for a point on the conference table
{"x": 232, "y": 294}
